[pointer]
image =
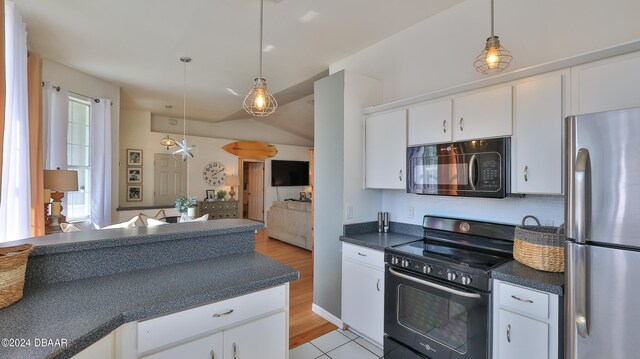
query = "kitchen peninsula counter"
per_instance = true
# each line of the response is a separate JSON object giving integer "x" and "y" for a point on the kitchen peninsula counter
{"x": 81, "y": 286}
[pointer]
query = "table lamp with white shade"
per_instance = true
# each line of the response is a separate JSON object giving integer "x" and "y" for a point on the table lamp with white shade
{"x": 232, "y": 181}
{"x": 59, "y": 181}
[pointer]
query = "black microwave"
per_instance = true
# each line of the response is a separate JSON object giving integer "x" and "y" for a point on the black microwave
{"x": 476, "y": 168}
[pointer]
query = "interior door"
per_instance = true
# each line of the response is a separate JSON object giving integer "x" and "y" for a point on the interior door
{"x": 256, "y": 191}
{"x": 169, "y": 179}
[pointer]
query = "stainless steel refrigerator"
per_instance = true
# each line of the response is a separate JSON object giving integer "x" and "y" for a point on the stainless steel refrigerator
{"x": 602, "y": 259}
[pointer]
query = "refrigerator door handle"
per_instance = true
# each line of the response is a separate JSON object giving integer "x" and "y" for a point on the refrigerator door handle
{"x": 582, "y": 190}
{"x": 582, "y": 218}
{"x": 580, "y": 286}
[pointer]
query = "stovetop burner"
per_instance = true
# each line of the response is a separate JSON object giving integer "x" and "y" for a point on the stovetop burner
{"x": 465, "y": 257}
{"x": 458, "y": 252}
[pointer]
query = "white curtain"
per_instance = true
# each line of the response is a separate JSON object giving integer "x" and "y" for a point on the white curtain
{"x": 101, "y": 162}
{"x": 55, "y": 118}
{"x": 15, "y": 209}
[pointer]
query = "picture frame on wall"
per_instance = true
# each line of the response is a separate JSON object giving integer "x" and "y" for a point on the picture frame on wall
{"x": 134, "y": 193}
{"x": 210, "y": 195}
{"x": 134, "y": 175}
{"x": 134, "y": 157}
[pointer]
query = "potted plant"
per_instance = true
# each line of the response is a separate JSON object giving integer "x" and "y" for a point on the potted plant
{"x": 186, "y": 204}
{"x": 221, "y": 194}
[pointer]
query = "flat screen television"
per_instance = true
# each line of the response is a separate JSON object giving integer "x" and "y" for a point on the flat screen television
{"x": 289, "y": 173}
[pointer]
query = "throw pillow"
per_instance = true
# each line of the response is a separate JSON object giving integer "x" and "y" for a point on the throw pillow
{"x": 154, "y": 222}
{"x": 199, "y": 219}
{"x": 128, "y": 224}
{"x": 68, "y": 228}
{"x": 144, "y": 218}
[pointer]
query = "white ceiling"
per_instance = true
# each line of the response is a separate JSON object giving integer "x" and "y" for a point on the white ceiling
{"x": 136, "y": 44}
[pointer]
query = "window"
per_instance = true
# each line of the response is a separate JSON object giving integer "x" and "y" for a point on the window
{"x": 78, "y": 205}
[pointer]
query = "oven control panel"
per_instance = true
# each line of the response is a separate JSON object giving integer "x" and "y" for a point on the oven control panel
{"x": 444, "y": 272}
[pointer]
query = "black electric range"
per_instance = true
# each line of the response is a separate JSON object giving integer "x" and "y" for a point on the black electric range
{"x": 437, "y": 290}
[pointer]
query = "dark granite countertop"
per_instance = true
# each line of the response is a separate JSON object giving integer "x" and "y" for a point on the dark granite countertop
{"x": 517, "y": 273}
{"x": 366, "y": 235}
{"x": 117, "y": 237}
{"x": 83, "y": 311}
{"x": 379, "y": 241}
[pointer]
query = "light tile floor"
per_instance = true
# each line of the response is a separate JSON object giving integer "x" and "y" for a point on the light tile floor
{"x": 338, "y": 344}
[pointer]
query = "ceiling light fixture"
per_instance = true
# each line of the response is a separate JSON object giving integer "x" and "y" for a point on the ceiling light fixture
{"x": 185, "y": 151}
{"x": 259, "y": 102}
{"x": 494, "y": 58}
{"x": 167, "y": 142}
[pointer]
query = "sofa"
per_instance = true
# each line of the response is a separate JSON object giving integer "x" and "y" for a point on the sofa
{"x": 290, "y": 221}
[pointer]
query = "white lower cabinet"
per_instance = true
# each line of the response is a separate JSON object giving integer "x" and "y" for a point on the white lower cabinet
{"x": 525, "y": 323}
{"x": 209, "y": 347}
{"x": 363, "y": 291}
{"x": 522, "y": 337}
{"x": 254, "y": 325}
{"x": 263, "y": 338}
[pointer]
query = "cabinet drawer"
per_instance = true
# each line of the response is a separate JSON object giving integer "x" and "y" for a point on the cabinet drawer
{"x": 363, "y": 255}
{"x": 168, "y": 329}
{"x": 524, "y": 300}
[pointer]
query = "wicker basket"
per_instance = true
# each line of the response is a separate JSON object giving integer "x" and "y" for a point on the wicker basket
{"x": 13, "y": 263}
{"x": 539, "y": 247}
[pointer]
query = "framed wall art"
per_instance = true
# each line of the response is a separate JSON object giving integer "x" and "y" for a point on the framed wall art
{"x": 134, "y": 193}
{"x": 134, "y": 157}
{"x": 134, "y": 175}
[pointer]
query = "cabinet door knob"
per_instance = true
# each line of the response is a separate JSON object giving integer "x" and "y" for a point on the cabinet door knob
{"x": 509, "y": 333}
{"x": 444, "y": 126}
{"x": 526, "y": 173}
{"x": 213, "y": 354}
{"x": 400, "y": 175}
{"x": 235, "y": 351}
{"x": 461, "y": 123}
{"x": 378, "y": 285}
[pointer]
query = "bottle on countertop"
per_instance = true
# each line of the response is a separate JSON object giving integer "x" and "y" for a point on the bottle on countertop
{"x": 385, "y": 221}
{"x": 380, "y": 222}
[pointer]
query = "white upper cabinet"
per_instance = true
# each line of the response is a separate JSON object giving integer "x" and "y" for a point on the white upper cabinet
{"x": 386, "y": 150}
{"x": 609, "y": 84}
{"x": 537, "y": 144}
{"x": 430, "y": 123}
{"x": 484, "y": 113}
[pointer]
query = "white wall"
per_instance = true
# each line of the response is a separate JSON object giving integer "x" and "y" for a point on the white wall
{"x": 136, "y": 132}
{"x": 73, "y": 80}
{"x": 548, "y": 209}
{"x": 438, "y": 53}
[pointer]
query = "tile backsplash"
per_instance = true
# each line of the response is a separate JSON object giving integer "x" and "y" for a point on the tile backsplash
{"x": 400, "y": 205}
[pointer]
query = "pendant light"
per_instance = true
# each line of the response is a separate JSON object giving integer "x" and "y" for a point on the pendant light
{"x": 259, "y": 102}
{"x": 494, "y": 58}
{"x": 167, "y": 142}
{"x": 185, "y": 151}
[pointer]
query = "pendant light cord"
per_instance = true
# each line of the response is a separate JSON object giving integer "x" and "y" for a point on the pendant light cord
{"x": 261, "y": 25}
{"x": 492, "y": 18}
{"x": 184, "y": 103}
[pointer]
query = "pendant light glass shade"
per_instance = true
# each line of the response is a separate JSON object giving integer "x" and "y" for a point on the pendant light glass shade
{"x": 494, "y": 58}
{"x": 168, "y": 142}
{"x": 259, "y": 101}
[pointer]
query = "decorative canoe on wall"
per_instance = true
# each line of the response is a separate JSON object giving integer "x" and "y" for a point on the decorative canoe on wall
{"x": 251, "y": 149}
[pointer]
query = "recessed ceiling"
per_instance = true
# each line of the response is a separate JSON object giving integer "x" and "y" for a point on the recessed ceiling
{"x": 137, "y": 44}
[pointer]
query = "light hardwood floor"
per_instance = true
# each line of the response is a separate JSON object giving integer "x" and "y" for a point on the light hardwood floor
{"x": 304, "y": 325}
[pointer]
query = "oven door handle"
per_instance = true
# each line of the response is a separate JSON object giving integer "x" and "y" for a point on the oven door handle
{"x": 434, "y": 285}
